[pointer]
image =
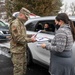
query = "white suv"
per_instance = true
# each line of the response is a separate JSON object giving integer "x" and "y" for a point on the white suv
{"x": 33, "y": 26}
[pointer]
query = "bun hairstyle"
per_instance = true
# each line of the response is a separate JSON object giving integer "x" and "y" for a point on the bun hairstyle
{"x": 66, "y": 20}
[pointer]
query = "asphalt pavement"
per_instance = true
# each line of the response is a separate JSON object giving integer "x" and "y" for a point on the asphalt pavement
{"x": 6, "y": 68}
{"x": 37, "y": 70}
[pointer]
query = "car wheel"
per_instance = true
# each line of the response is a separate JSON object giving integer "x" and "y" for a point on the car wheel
{"x": 29, "y": 57}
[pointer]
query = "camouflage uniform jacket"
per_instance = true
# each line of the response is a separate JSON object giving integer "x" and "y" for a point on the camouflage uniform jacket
{"x": 18, "y": 36}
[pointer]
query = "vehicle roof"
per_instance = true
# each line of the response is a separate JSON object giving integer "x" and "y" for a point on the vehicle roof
{"x": 46, "y": 18}
{"x": 40, "y": 18}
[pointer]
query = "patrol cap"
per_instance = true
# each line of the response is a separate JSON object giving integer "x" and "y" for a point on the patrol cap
{"x": 25, "y": 11}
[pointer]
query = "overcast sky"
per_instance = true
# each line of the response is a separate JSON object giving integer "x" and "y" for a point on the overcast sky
{"x": 68, "y": 3}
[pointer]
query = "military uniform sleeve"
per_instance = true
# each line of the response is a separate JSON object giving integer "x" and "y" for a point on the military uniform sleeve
{"x": 28, "y": 39}
{"x": 29, "y": 35}
{"x": 17, "y": 36}
{"x": 58, "y": 43}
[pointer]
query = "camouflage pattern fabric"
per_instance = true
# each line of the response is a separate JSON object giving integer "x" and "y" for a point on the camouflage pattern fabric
{"x": 19, "y": 37}
{"x": 20, "y": 64}
{"x": 18, "y": 44}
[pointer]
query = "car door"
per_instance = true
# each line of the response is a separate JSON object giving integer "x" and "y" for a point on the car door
{"x": 38, "y": 53}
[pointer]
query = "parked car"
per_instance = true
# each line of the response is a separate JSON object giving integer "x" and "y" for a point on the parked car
{"x": 6, "y": 66}
{"x": 34, "y": 53}
{"x": 4, "y": 30}
{"x": 4, "y": 21}
{"x": 39, "y": 54}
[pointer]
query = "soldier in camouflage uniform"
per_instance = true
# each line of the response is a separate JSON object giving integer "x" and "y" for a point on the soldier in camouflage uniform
{"x": 18, "y": 42}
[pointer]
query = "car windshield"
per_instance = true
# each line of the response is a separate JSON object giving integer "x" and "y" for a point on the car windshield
{"x": 2, "y": 24}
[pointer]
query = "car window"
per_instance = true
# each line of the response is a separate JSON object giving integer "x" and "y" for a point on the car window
{"x": 2, "y": 24}
{"x": 40, "y": 26}
{"x": 31, "y": 26}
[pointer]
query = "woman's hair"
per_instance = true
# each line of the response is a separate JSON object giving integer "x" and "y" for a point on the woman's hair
{"x": 66, "y": 20}
{"x": 47, "y": 23}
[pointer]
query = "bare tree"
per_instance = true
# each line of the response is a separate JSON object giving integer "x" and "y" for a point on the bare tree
{"x": 72, "y": 8}
{"x": 64, "y": 8}
{"x": 2, "y": 8}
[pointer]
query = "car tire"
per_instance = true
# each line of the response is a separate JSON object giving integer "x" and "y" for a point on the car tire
{"x": 29, "y": 57}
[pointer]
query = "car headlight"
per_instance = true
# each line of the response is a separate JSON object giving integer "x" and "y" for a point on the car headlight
{"x": 1, "y": 32}
{"x": 5, "y": 51}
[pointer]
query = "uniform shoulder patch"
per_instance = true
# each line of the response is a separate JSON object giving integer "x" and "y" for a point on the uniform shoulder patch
{"x": 14, "y": 27}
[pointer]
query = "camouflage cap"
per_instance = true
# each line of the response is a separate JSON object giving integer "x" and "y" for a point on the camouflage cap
{"x": 25, "y": 11}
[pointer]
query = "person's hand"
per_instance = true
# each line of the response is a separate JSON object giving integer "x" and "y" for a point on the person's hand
{"x": 33, "y": 36}
{"x": 43, "y": 45}
{"x": 33, "y": 39}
